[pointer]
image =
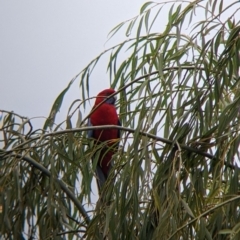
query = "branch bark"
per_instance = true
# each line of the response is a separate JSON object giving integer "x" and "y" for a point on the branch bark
{"x": 62, "y": 185}
{"x": 164, "y": 140}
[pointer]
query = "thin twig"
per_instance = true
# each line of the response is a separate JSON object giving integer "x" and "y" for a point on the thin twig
{"x": 204, "y": 214}
{"x": 164, "y": 140}
{"x": 62, "y": 185}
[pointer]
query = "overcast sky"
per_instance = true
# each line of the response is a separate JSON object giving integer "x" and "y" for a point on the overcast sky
{"x": 44, "y": 44}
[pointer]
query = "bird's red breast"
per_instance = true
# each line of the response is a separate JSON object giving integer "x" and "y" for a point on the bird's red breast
{"x": 105, "y": 114}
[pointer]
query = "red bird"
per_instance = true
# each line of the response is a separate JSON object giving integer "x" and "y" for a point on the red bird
{"x": 105, "y": 114}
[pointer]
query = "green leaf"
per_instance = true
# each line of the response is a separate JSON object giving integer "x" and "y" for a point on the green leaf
{"x": 56, "y": 107}
{"x": 187, "y": 208}
{"x": 144, "y": 6}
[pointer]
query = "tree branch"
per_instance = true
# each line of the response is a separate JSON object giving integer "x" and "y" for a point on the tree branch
{"x": 62, "y": 185}
{"x": 204, "y": 214}
{"x": 164, "y": 140}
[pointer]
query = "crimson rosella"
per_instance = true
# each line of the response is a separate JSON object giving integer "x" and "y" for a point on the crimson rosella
{"x": 105, "y": 114}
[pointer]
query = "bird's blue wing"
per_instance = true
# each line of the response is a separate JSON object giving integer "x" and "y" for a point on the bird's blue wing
{"x": 89, "y": 132}
{"x": 119, "y": 124}
{"x": 101, "y": 178}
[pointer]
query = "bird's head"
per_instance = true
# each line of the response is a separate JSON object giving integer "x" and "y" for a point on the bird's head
{"x": 104, "y": 95}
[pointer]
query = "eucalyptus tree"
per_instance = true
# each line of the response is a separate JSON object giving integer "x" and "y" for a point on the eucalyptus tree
{"x": 176, "y": 173}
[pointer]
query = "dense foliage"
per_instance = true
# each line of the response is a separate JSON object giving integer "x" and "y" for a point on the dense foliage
{"x": 176, "y": 174}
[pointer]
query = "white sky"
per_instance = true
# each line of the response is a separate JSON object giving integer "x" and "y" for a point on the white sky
{"x": 44, "y": 44}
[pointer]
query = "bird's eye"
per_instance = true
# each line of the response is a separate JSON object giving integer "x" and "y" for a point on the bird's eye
{"x": 111, "y": 100}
